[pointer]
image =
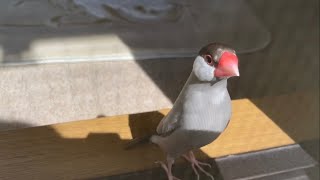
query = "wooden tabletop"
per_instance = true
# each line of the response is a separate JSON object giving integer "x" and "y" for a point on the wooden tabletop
{"x": 94, "y": 148}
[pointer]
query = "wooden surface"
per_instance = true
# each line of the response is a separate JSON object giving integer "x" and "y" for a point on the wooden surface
{"x": 94, "y": 148}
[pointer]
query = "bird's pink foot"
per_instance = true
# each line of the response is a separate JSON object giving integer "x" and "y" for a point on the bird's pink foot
{"x": 167, "y": 169}
{"x": 195, "y": 163}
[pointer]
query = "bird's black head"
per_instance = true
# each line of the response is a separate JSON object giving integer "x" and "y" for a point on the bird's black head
{"x": 216, "y": 60}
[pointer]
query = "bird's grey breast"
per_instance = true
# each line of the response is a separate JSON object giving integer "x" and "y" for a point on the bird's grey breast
{"x": 206, "y": 107}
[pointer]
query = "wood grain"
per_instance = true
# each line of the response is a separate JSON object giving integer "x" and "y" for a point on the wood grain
{"x": 94, "y": 148}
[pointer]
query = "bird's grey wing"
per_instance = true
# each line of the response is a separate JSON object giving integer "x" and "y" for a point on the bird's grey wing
{"x": 170, "y": 122}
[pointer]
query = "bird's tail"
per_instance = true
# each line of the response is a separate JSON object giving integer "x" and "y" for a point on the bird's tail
{"x": 136, "y": 141}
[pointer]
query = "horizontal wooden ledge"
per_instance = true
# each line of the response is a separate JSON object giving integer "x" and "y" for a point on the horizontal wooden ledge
{"x": 94, "y": 148}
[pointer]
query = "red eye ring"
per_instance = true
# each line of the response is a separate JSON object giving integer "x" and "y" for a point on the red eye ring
{"x": 208, "y": 58}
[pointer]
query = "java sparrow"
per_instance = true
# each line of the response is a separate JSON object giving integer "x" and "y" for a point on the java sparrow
{"x": 202, "y": 110}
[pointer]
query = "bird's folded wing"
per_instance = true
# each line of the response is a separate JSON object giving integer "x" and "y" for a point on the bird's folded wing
{"x": 169, "y": 122}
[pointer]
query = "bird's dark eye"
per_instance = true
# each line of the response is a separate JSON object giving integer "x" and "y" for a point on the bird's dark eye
{"x": 208, "y": 58}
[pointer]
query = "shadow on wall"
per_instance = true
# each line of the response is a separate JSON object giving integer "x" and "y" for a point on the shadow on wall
{"x": 13, "y": 124}
{"x": 296, "y": 114}
{"x": 272, "y": 71}
{"x": 283, "y": 79}
{"x": 43, "y": 152}
{"x": 290, "y": 63}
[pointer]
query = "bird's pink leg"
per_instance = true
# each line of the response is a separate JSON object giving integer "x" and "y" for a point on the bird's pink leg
{"x": 168, "y": 168}
{"x": 195, "y": 163}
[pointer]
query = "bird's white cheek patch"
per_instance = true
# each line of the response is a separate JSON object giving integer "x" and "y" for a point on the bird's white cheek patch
{"x": 202, "y": 70}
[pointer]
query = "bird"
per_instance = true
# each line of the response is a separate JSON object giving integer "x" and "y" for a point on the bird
{"x": 202, "y": 110}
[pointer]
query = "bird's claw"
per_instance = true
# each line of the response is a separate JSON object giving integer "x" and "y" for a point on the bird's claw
{"x": 204, "y": 164}
{"x": 195, "y": 171}
{"x": 170, "y": 176}
{"x": 195, "y": 163}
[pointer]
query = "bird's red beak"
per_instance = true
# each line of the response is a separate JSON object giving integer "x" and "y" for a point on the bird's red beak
{"x": 227, "y": 66}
